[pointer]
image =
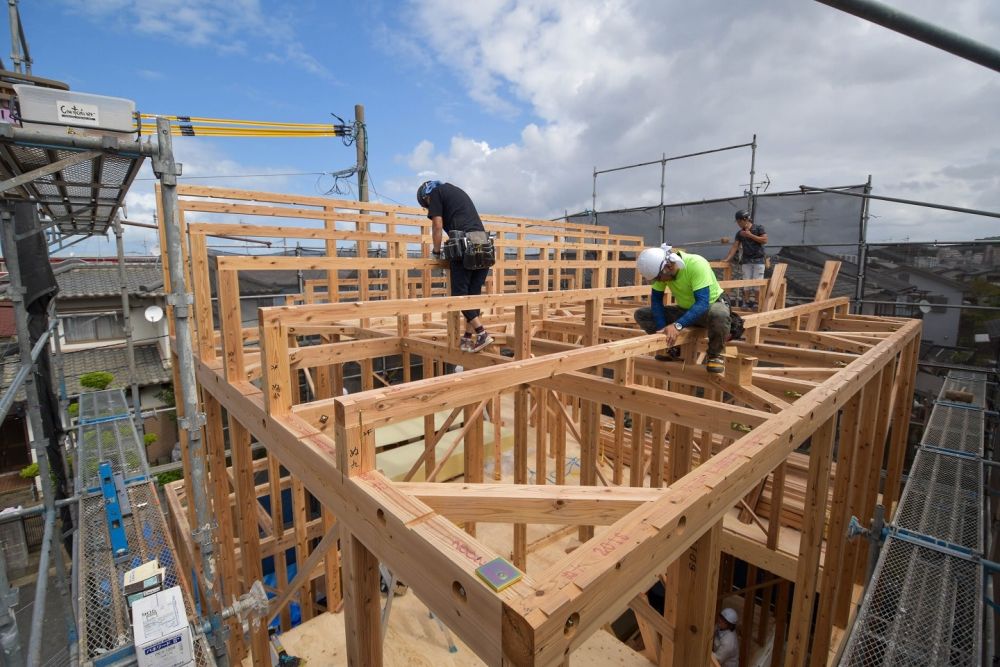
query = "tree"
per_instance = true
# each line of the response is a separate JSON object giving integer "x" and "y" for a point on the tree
{"x": 98, "y": 380}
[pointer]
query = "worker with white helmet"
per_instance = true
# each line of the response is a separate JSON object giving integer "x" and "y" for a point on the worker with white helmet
{"x": 725, "y": 644}
{"x": 698, "y": 297}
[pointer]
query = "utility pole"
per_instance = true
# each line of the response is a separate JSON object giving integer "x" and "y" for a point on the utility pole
{"x": 361, "y": 144}
{"x": 127, "y": 324}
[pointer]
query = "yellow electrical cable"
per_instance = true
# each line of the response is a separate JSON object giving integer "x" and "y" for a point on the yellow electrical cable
{"x": 197, "y": 119}
{"x": 236, "y": 132}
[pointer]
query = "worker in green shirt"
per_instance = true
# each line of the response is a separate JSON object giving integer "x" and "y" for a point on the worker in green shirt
{"x": 698, "y": 297}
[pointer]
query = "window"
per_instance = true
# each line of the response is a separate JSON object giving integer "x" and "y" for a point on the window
{"x": 86, "y": 328}
{"x": 938, "y": 299}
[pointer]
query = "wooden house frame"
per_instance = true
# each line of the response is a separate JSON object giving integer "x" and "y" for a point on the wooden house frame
{"x": 702, "y": 451}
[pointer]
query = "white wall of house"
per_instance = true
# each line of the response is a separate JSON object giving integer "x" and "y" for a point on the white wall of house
{"x": 95, "y": 317}
{"x": 941, "y": 324}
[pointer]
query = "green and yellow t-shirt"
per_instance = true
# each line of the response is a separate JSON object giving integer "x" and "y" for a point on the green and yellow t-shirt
{"x": 696, "y": 274}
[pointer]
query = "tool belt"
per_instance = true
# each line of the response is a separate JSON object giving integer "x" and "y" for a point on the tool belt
{"x": 475, "y": 249}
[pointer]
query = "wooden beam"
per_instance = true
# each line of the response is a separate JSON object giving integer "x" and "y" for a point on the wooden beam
{"x": 542, "y": 504}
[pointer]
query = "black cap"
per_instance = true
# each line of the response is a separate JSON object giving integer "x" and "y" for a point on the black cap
{"x": 742, "y": 215}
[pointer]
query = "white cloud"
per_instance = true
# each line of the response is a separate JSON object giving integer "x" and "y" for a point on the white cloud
{"x": 831, "y": 97}
{"x": 231, "y": 27}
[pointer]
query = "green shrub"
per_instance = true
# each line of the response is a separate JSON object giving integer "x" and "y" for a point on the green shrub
{"x": 29, "y": 472}
{"x": 73, "y": 409}
{"x": 165, "y": 478}
{"x": 98, "y": 380}
{"x": 149, "y": 439}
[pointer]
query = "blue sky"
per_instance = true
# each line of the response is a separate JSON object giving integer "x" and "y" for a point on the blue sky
{"x": 518, "y": 101}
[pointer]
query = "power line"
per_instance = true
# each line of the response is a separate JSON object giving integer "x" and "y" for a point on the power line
{"x": 292, "y": 173}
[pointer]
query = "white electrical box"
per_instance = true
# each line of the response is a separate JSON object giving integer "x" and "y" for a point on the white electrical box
{"x": 161, "y": 631}
{"x": 52, "y": 110}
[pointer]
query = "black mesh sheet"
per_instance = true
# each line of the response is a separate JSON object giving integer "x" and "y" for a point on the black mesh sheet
{"x": 790, "y": 219}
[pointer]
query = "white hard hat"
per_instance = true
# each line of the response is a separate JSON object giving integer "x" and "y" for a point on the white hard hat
{"x": 730, "y": 615}
{"x": 650, "y": 262}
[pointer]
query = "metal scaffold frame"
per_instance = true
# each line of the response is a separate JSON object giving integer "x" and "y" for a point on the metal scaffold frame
{"x": 50, "y": 154}
{"x": 925, "y": 602}
{"x": 107, "y": 436}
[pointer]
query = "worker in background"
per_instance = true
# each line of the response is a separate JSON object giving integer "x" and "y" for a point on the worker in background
{"x": 750, "y": 241}
{"x": 699, "y": 300}
{"x": 451, "y": 211}
{"x": 725, "y": 644}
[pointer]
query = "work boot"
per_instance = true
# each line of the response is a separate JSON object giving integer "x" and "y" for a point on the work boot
{"x": 481, "y": 341}
{"x": 715, "y": 364}
{"x": 672, "y": 354}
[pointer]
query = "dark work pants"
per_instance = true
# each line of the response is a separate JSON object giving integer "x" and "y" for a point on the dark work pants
{"x": 716, "y": 320}
{"x": 467, "y": 282}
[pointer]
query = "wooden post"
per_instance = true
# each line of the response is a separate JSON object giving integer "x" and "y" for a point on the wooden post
{"x": 780, "y": 624}
{"x": 833, "y": 566}
{"x": 589, "y": 412}
{"x": 522, "y": 350}
{"x": 813, "y": 521}
{"x": 900, "y": 426}
{"x": 216, "y": 449}
{"x": 359, "y": 566}
{"x": 541, "y": 434}
{"x": 696, "y": 596}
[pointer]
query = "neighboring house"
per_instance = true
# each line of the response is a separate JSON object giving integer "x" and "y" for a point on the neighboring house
{"x": 940, "y": 324}
{"x": 92, "y": 335}
{"x": 8, "y": 329}
{"x": 805, "y": 267}
{"x": 899, "y": 286}
{"x": 92, "y": 338}
{"x": 935, "y": 283}
{"x": 89, "y": 304}
{"x": 14, "y": 451}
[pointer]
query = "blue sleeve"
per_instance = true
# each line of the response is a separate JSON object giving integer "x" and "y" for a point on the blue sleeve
{"x": 659, "y": 312}
{"x": 699, "y": 308}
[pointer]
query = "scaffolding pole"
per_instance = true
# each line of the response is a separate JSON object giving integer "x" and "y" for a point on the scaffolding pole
{"x": 859, "y": 291}
{"x": 663, "y": 177}
{"x": 127, "y": 323}
{"x": 167, "y": 170}
{"x": 10, "y": 640}
{"x": 928, "y": 33}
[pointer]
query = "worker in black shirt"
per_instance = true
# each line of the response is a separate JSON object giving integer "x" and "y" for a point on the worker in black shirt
{"x": 451, "y": 210}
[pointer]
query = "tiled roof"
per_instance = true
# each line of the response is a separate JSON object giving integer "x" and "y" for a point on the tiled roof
{"x": 102, "y": 280}
{"x": 149, "y": 367}
{"x": 805, "y": 266}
